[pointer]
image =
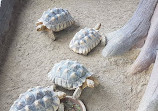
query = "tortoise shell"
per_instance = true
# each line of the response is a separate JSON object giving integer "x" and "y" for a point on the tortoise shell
{"x": 37, "y": 99}
{"x": 69, "y": 74}
{"x": 56, "y": 19}
{"x": 85, "y": 40}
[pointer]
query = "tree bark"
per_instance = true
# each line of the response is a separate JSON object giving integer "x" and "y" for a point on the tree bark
{"x": 149, "y": 101}
{"x": 148, "y": 53}
{"x": 136, "y": 28}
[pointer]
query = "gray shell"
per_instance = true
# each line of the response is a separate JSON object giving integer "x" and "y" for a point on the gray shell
{"x": 37, "y": 99}
{"x": 69, "y": 74}
{"x": 56, "y": 19}
{"x": 85, "y": 40}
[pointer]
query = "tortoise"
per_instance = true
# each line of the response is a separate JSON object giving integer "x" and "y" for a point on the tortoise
{"x": 71, "y": 75}
{"x": 38, "y": 99}
{"x": 54, "y": 20}
{"x": 85, "y": 40}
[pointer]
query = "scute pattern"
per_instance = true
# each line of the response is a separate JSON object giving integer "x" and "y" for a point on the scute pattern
{"x": 56, "y": 19}
{"x": 85, "y": 40}
{"x": 37, "y": 99}
{"x": 69, "y": 74}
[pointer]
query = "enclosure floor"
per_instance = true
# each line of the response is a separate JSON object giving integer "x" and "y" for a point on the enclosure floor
{"x": 32, "y": 54}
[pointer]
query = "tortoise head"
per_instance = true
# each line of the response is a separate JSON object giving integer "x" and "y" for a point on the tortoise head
{"x": 40, "y": 26}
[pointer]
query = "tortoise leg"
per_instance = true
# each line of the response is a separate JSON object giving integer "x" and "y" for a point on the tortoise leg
{"x": 84, "y": 85}
{"x": 85, "y": 54}
{"x": 77, "y": 93}
{"x": 53, "y": 87}
{"x": 103, "y": 41}
{"x": 51, "y": 34}
{"x": 90, "y": 82}
{"x": 61, "y": 107}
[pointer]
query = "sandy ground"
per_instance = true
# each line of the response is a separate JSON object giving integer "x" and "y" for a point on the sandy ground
{"x": 32, "y": 54}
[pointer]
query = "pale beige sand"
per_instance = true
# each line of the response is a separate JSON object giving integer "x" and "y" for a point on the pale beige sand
{"x": 32, "y": 54}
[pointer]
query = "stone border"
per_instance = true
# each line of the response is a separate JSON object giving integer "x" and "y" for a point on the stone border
{"x": 5, "y": 15}
{"x": 6, "y": 9}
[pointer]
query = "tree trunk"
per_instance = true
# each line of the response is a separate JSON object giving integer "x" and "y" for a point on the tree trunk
{"x": 148, "y": 53}
{"x": 136, "y": 28}
{"x": 149, "y": 101}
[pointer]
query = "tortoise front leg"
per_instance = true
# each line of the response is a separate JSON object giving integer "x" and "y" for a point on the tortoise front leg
{"x": 77, "y": 93}
{"x": 61, "y": 107}
{"x": 78, "y": 90}
{"x": 90, "y": 82}
{"x": 51, "y": 34}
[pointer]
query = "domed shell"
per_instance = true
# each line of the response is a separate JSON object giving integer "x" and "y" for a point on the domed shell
{"x": 56, "y": 19}
{"x": 37, "y": 99}
{"x": 85, "y": 40}
{"x": 69, "y": 74}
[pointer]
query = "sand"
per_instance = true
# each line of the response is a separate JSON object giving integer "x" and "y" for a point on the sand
{"x": 32, "y": 54}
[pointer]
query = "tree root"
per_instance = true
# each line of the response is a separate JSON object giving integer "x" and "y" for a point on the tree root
{"x": 136, "y": 28}
{"x": 148, "y": 53}
{"x": 149, "y": 101}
